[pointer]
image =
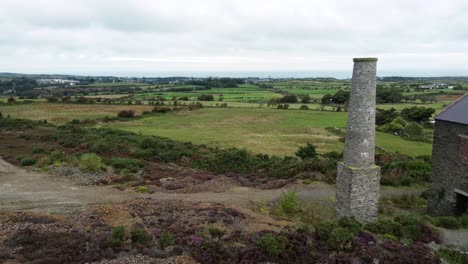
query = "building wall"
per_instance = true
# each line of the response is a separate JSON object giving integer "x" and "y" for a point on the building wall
{"x": 449, "y": 166}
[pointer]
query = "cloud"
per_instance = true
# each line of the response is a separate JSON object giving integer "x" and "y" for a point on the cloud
{"x": 208, "y": 35}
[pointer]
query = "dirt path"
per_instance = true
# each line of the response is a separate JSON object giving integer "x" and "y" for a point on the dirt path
{"x": 22, "y": 189}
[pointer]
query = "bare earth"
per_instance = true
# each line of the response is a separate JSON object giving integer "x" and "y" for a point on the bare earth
{"x": 22, "y": 189}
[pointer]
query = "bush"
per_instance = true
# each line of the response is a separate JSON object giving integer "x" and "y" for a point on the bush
{"x": 142, "y": 189}
{"x": 167, "y": 239}
{"x": 28, "y": 161}
{"x": 140, "y": 236}
{"x": 340, "y": 239}
{"x": 304, "y": 107}
{"x": 288, "y": 203}
{"x": 52, "y": 99}
{"x": 452, "y": 256}
{"x": 384, "y": 227}
{"x": 272, "y": 245}
{"x": 90, "y": 162}
{"x": 323, "y": 230}
{"x": 413, "y": 131}
{"x": 158, "y": 109}
{"x": 417, "y": 114}
{"x": 464, "y": 220}
{"x": 290, "y": 98}
{"x": 206, "y": 97}
{"x": 351, "y": 224}
{"x": 449, "y": 222}
{"x": 307, "y": 152}
{"x": 126, "y": 114}
{"x": 37, "y": 151}
{"x": 390, "y": 128}
{"x": 118, "y": 233}
{"x": 131, "y": 165}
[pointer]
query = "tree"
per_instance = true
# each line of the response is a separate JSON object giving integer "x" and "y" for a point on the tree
{"x": 385, "y": 116}
{"x": 341, "y": 97}
{"x": 388, "y": 95}
{"x": 305, "y": 99}
{"x": 417, "y": 114}
{"x": 327, "y": 99}
{"x": 289, "y": 98}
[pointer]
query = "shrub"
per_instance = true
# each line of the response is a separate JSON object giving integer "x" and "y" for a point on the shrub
{"x": 140, "y": 236}
{"x": 271, "y": 244}
{"x": 158, "y": 109}
{"x": 28, "y": 161}
{"x": 118, "y": 233}
{"x": 206, "y": 97}
{"x": 304, "y": 107}
{"x": 323, "y": 230}
{"x": 11, "y": 100}
{"x": 167, "y": 239}
{"x": 216, "y": 232}
{"x": 384, "y": 227}
{"x": 52, "y": 99}
{"x": 132, "y": 165}
{"x": 37, "y": 151}
{"x": 391, "y": 128}
{"x": 351, "y": 224}
{"x": 290, "y": 98}
{"x": 288, "y": 203}
{"x": 413, "y": 131}
{"x": 449, "y": 222}
{"x": 90, "y": 162}
{"x": 340, "y": 239}
{"x": 142, "y": 189}
{"x": 307, "y": 181}
{"x": 126, "y": 114}
{"x": 464, "y": 220}
{"x": 452, "y": 256}
{"x": 430, "y": 233}
{"x": 307, "y": 152}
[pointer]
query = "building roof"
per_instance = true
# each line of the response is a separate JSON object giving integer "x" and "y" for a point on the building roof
{"x": 456, "y": 112}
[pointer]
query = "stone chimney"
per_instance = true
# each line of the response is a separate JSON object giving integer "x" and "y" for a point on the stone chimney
{"x": 358, "y": 181}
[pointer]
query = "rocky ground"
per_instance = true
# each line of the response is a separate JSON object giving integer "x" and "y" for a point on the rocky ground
{"x": 45, "y": 218}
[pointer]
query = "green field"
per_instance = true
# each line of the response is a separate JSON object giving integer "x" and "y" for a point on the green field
{"x": 271, "y": 131}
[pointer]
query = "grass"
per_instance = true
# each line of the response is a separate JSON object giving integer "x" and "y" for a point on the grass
{"x": 61, "y": 113}
{"x": 261, "y": 130}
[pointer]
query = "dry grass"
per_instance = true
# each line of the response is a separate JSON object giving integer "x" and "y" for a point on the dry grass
{"x": 62, "y": 113}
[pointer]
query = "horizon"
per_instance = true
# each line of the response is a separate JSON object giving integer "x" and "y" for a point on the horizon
{"x": 339, "y": 74}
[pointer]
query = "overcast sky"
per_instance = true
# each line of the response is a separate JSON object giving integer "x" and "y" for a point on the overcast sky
{"x": 235, "y": 35}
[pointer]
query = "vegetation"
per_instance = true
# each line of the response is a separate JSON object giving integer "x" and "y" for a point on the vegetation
{"x": 167, "y": 239}
{"x": 91, "y": 162}
{"x": 287, "y": 204}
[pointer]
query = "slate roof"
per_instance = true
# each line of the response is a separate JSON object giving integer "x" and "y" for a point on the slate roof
{"x": 456, "y": 112}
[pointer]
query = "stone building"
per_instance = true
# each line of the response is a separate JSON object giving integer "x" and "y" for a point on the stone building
{"x": 448, "y": 188}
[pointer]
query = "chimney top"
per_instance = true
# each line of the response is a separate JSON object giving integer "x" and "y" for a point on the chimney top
{"x": 364, "y": 59}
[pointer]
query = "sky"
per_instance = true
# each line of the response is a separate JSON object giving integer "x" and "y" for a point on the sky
{"x": 102, "y": 36}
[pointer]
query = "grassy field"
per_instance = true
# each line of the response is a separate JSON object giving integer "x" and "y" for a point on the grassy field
{"x": 61, "y": 113}
{"x": 245, "y": 93}
{"x": 271, "y": 131}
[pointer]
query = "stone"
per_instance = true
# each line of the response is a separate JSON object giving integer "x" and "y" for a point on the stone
{"x": 358, "y": 180}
